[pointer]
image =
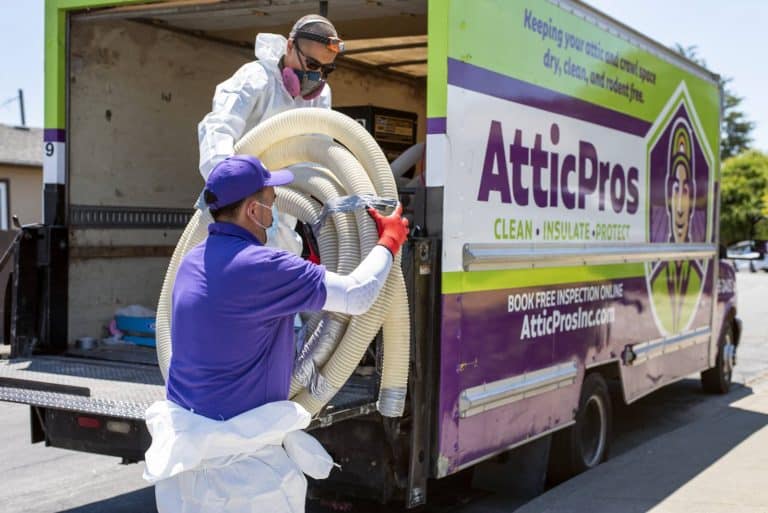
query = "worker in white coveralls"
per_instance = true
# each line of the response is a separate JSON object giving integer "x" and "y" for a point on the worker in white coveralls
{"x": 289, "y": 73}
{"x": 227, "y": 438}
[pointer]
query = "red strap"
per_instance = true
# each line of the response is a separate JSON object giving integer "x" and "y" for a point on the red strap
{"x": 313, "y": 257}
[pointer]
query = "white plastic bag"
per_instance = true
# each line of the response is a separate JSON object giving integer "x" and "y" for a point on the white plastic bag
{"x": 136, "y": 311}
{"x": 286, "y": 238}
{"x": 308, "y": 454}
{"x": 238, "y": 465}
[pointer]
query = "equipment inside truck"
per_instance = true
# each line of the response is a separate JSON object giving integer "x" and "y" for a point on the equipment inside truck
{"x": 141, "y": 80}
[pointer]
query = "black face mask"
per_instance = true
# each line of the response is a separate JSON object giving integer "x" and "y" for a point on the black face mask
{"x": 301, "y": 82}
{"x": 313, "y": 79}
{"x": 309, "y": 81}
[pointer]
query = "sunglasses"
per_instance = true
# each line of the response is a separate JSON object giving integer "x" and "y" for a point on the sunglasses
{"x": 313, "y": 64}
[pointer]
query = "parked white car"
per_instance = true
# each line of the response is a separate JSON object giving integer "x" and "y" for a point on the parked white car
{"x": 749, "y": 255}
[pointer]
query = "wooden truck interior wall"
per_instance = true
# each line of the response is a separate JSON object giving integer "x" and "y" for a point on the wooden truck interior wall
{"x": 137, "y": 93}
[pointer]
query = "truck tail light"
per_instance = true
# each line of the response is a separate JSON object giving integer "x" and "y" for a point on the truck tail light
{"x": 88, "y": 422}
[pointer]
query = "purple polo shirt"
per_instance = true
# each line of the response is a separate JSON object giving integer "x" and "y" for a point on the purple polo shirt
{"x": 234, "y": 302}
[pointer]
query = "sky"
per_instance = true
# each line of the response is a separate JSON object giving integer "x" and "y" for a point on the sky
{"x": 21, "y": 60}
{"x": 729, "y": 36}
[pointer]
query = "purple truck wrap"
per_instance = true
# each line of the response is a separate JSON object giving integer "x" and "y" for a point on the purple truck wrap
{"x": 579, "y": 219}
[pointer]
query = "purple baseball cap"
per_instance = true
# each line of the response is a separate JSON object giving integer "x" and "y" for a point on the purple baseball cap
{"x": 238, "y": 177}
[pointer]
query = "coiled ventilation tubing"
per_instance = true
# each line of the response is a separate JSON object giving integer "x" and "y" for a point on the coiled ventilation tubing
{"x": 303, "y": 139}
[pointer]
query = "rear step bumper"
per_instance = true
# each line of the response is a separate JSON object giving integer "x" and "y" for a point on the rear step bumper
{"x": 80, "y": 385}
{"x": 73, "y": 403}
{"x": 124, "y": 390}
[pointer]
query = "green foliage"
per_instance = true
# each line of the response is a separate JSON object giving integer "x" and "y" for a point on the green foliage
{"x": 744, "y": 197}
{"x": 765, "y": 205}
{"x": 736, "y": 129}
{"x": 735, "y": 132}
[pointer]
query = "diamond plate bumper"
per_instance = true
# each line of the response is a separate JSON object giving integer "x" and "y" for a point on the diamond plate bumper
{"x": 103, "y": 388}
{"x": 126, "y": 390}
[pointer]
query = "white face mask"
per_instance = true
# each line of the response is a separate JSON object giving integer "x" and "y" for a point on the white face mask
{"x": 272, "y": 229}
{"x": 281, "y": 234}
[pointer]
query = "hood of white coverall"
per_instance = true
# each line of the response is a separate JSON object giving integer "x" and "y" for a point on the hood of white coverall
{"x": 269, "y": 48}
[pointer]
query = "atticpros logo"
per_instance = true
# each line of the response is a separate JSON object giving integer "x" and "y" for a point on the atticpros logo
{"x": 679, "y": 178}
{"x": 531, "y": 171}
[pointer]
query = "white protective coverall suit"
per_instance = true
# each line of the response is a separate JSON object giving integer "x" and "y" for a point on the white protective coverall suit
{"x": 254, "y": 93}
{"x": 254, "y": 462}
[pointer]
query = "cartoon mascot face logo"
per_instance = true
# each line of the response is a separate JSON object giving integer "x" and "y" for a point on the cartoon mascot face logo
{"x": 677, "y": 211}
{"x": 680, "y": 183}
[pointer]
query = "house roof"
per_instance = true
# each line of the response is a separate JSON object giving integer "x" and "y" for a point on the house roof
{"x": 21, "y": 145}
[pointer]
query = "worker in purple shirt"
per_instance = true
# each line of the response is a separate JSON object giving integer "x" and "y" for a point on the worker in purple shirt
{"x": 234, "y": 299}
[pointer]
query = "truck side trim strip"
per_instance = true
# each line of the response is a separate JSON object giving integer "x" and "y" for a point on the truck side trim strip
{"x": 488, "y": 396}
{"x": 655, "y": 348}
{"x": 504, "y": 256}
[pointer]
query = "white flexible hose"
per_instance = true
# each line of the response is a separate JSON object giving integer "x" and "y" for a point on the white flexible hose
{"x": 407, "y": 159}
{"x": 337, "y": 343}
{"x": 363, "y": 328}
{"x": 195, "y": 233}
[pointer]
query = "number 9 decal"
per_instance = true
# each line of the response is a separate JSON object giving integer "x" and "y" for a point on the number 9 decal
{"x": 49, "y": 149}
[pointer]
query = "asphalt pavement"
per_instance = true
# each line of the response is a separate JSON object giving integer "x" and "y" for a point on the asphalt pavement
{"x": 715, "y": 463}
{"x": 677, "y": 450}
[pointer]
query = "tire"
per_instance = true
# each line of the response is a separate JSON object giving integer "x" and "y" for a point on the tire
{"x": 717, "y": 380}
{"x": 585, "y": 444}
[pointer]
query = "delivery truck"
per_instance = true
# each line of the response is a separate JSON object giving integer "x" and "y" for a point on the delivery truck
{"x": 564, "y": 223}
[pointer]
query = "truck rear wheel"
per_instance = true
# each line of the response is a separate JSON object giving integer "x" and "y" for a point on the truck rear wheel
{"x": 717, "y": 380}
{"x": 585, "y": 444}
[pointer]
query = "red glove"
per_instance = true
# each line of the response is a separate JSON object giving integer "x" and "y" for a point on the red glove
{"x": 393, "y": 229}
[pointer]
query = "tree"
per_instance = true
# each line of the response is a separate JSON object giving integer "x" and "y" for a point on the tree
{"x": 736, "y": 129}
{"x": 744, "y": 197}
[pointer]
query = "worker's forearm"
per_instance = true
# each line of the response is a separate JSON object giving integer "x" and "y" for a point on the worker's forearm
{"x": 355, "y": 293}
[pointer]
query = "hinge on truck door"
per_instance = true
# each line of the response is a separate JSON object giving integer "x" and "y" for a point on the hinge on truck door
{"x": 39, "y": 291}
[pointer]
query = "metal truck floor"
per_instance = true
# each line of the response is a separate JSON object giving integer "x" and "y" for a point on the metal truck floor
{"x": 126, "y": 390}
{"x": 118, "y": 353}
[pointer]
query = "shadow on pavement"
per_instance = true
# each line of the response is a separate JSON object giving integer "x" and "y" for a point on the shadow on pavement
{"x": 664, "y": 411}
{"x": 139, "y": 501}
{"x": 682, "y": 431}
{"x": 673, "y": 452}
